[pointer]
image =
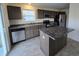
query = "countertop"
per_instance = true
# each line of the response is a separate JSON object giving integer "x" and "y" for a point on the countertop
{"x": 55, "y": 31}
{"x": 24, "y": 25}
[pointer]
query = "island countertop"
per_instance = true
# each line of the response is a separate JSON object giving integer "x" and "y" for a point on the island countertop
{"x": 53, "y": 39}
{"x": 55, "y": 31}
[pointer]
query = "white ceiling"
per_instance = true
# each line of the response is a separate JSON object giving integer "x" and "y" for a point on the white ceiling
{"x": 47, "y": 5}
{"x": 51, "y": 5}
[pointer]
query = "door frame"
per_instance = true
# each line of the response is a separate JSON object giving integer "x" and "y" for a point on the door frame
{"x": 5, "y": 32}
{"x": 2, "y": 33}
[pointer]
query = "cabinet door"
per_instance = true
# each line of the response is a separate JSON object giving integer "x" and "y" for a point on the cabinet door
{"x": 35, "y": 30}
{"x": 47, "y": 14}
{"x": 53, "y": 14}
{"x": 52, "y": 47}
{"x": 56, "y": 45}
{"x": 63, "y": 41}
{"x": 29, "y": 32}
{"x": 40, "y": 14}
{"x": 14, "y": 12}
{"x": 32, "y": 31}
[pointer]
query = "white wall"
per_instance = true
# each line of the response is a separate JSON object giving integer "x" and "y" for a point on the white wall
{"x": 73, "y": 21}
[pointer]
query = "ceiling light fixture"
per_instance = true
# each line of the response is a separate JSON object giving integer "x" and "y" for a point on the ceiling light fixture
{"x": 29, "y": 3}
{"x": 29, "y": 6}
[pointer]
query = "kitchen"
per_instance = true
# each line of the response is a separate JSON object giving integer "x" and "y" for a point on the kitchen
{"x": 22, "y": 29}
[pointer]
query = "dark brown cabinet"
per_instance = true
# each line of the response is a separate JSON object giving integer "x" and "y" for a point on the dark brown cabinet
{"x": 46, "y": 14}
{"x": 53, "y": 14}
{"x": 50, "y": 45}
{"x": 14, "y": 12}
{"x": 35, "y": 31}
{"x": 56, "y": 45}
{"x": 40, "y": 14}
{"x": 32, "y": 31}
{"x": 29, "y": 32}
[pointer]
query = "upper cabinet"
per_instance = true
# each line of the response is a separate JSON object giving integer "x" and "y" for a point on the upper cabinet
{"x": 40, "y": 14}
{"x": 45, "y": 14}
{"x": 14, "y": 12}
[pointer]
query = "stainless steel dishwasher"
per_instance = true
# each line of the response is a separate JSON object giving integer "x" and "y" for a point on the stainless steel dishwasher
{"x": 17, "y": 35}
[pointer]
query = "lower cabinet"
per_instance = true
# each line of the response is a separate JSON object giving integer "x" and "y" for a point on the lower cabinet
{"x": 51, "y": 46}
{"x": 20, "y": 34}
{"x": 56, "y": 45}
{"x": 29, "y": 32}
{"x": 32, "y": 31}
{"x": 35, "y": 33}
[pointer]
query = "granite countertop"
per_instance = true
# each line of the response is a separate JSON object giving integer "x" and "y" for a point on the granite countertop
{"x": 55, "y": 31}
{"x": 24, "y": 25}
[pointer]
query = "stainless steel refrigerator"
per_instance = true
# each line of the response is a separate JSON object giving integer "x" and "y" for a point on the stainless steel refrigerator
{"x": 62, "y": 20}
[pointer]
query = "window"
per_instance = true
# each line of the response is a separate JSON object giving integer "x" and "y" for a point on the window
{"x": 29, "y": 15}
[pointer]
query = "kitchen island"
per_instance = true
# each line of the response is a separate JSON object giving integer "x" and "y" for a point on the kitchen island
{"x": 52, "y": 40}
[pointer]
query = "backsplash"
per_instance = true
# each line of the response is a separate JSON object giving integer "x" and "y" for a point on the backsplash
{"x": 15, "y": 22}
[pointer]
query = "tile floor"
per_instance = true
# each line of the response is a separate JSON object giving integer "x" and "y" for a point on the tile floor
{"x": 31, "y": 47}
{"x": 27, "y": 48}
{"x": 74, "y": 35}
